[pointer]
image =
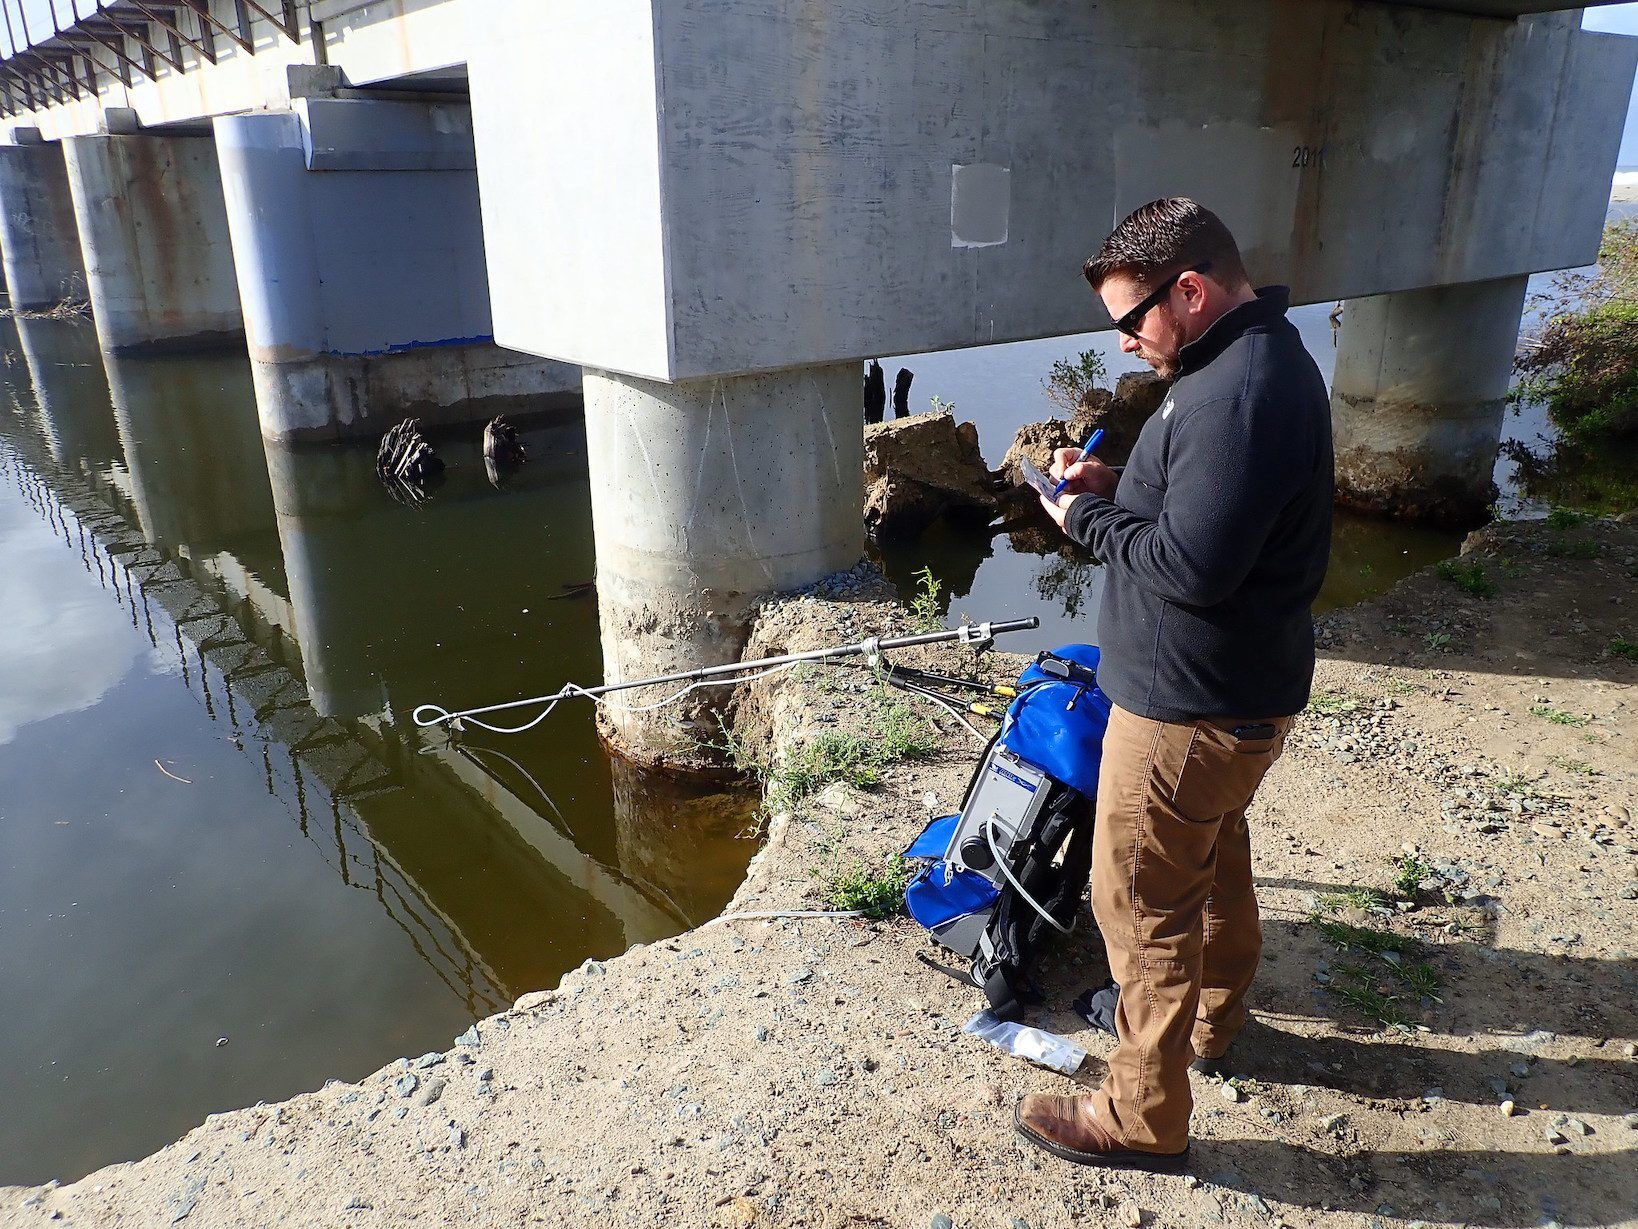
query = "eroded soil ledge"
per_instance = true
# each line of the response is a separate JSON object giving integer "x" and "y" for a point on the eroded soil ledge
{"x": 812, "y": 1073}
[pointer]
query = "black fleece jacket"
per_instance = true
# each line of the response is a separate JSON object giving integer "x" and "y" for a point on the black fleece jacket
{"x": 1218, "y": 536}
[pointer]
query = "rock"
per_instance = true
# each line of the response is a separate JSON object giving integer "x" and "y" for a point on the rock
{"x": 1131, "y": 1215}
{"x": 838, "y": 799}
{"x": 433, "y": 1090}
{"x": 1556, "y": 1137}
{"x": 1579, "y": 1127}
{"x": 1039, "y": 440}
{"x": 428, "y": 1060}
{"x": 1230, "y": 1093}
{"x": 534, "y": 999}
{"x": 942, "y": 1221}
{"x": 920, "y": 468}
{"x": 1121, "y": 414}
{"x": 405, "y": 1084}
{"x": 1508, "y": 1108}
{"x": 1331, "y": 1122}
{"x": 470, "y": 1038}
{"x": 187, "y": 1198}
{"x": 457, "y": 1137}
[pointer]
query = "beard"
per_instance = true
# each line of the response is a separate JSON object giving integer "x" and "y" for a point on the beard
{"x": 1165, "y": 368}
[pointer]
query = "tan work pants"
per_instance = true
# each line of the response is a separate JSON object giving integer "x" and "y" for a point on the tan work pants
{"x": 1172, "y": 893}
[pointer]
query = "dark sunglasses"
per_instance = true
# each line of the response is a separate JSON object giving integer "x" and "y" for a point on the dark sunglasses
{"x": 1128, "y": 324}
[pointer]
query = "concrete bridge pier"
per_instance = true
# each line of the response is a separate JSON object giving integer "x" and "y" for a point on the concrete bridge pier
{"x": 707, "y": 495}
{"x": 153, "y": 229}
{"x": 1418, "y": 396}
{"x": 39, "y": 244}
{"x": 359, "y": 247}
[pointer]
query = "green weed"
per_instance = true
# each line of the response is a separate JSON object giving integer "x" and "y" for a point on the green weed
{"x": 877, "y": 892}
{"x": 1436, "y": 641}
{"x": 1355, "y": 897}
{"x": 1566, "y": 518}
{"x": 924, "y": 606}
{"x": 1470, "y": 577}
{"x": 1392, "y": 977}
{"x": 1419, "y": 978}
{"x": 1574, "y": 548}
{"x": 1412, "y": 871}
{"x": 1579, "y": 767}
{"x": 1558, "y": 716}
{"x": 1622, "y": 647}
{"x": 1366, "y": 997}
{"x": 733, "y": 748}
{"x": 1343, "y": 937}
{"x": 1331, "y": 703}
{"x": 1514, "y": 783}
{"x": 894, "y": 733}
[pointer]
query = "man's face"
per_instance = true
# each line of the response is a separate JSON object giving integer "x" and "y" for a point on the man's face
{"x": 1161, "y": 333}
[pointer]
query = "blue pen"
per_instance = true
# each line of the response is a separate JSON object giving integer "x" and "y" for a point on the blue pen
{"x": 1092, "y": 442}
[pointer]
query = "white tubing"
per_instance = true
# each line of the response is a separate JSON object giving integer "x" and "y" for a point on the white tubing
{"x": 989, "y": 835}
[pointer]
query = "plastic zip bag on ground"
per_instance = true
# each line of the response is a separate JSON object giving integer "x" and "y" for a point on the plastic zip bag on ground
{"x": 1037, "y": 1045}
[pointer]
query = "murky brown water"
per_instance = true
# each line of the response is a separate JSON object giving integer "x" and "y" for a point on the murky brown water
{"x": 216, "y": 820}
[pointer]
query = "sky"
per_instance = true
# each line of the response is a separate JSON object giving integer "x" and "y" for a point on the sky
{"x": 1620, "y": 19}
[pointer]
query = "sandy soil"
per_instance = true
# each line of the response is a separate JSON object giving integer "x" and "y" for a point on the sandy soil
{"x": 813, "y": 1073}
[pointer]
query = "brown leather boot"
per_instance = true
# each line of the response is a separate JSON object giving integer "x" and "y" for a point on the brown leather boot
{"x": 1065, "y": 1127}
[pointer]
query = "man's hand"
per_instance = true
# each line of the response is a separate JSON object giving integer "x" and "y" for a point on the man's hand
{"x": 1088, "y": 477}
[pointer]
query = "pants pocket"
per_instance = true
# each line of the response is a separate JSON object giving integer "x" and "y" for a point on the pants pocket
{"x": 1219, "y": 772}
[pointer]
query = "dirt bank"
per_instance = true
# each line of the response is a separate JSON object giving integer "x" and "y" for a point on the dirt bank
{"x": 812, "y": 1073}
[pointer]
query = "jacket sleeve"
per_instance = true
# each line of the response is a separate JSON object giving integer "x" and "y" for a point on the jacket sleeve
{"x": 1228, "y": 475}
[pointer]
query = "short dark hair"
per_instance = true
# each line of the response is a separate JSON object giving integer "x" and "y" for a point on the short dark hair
{"x": 1165, "y": 237}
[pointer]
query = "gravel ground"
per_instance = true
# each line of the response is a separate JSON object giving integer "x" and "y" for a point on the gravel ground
{"x": 1455, "y": 811}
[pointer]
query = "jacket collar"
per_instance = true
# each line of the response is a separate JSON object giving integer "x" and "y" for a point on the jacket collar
{"x": 1270, "y": 305}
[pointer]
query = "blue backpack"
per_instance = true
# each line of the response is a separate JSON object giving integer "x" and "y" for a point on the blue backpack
{"x": 1012, "y": 864}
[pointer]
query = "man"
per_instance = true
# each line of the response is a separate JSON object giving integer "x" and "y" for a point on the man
{"x": 1215, "y": 539}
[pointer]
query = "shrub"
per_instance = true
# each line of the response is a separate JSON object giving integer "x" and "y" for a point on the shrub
{"x": 1584, "y": 362}
{"x": 1071, "y": 379}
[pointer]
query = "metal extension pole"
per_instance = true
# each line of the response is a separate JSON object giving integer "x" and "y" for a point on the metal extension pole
{"x": 972, "y": 633}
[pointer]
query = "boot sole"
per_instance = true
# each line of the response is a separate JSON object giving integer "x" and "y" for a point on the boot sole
{"x": 1126, "y": 1158}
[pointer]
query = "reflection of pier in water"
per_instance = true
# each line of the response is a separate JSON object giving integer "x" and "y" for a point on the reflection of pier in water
{"x": 395, "y": 814}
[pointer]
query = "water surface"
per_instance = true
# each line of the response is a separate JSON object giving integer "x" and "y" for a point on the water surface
{"x": 230, "y": 867}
